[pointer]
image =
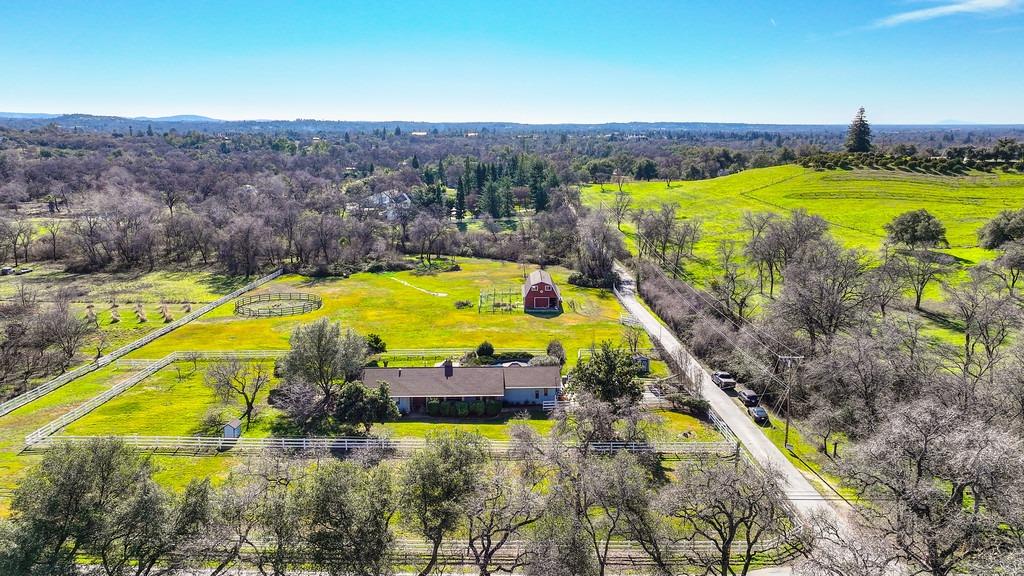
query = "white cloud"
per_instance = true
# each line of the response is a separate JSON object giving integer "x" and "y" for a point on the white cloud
{"x": 948, "y": 9}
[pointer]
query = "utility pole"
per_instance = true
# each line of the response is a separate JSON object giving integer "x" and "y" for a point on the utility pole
{"x": 789, "y": 366}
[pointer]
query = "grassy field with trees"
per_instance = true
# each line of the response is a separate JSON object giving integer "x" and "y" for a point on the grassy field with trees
{"x": 856, "y": 203}
{"x": 411, "y": 311}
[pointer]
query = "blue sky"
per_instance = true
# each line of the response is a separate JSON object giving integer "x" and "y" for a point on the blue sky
{"x": 906, "y": 61}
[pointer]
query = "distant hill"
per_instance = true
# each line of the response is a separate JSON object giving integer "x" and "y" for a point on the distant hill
{"x": 26, "y": 115}
{"x": 190, "y": 122}
{"x": 179, "y": 118}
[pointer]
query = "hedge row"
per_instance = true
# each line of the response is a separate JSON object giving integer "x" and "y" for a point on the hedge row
{"x": 462, "y": 409}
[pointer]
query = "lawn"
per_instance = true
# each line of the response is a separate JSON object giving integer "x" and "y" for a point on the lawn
{"x": 172, "y": 402}
{"x": 496, "y": 428}
{"x": 16, "y": 425}
{"x": 401, "y": 309}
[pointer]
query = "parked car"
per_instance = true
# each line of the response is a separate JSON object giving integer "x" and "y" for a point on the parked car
{"x": 748, "y": 397}
{"x": 23, "y": 271}
{"x": 724, "y": 380}
{"x": 758, "y": 414}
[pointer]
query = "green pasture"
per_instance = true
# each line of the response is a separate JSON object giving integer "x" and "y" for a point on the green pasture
{"x": 857, "y": 203}
{"x": 16, "y": 425}
{"x": 172, "y": 402}
{"x": 410, "y": 311}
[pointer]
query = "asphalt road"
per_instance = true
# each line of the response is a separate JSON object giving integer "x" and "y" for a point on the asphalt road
{"x": 799, "y": 491}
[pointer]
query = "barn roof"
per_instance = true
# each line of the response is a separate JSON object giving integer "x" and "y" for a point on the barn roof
{"x": 432, "y": 382}
{"x": 537, "y": 277}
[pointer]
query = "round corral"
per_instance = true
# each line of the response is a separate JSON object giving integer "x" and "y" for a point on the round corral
{"x": 277, "y": 304}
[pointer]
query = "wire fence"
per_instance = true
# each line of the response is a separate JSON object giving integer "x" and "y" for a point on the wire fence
{"x": 50, "y": 386}
{"x": 247, "y": 305}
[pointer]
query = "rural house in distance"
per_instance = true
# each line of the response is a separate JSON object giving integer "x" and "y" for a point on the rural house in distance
{"x": 540, "y": 293}
{"x": 411, "y": 388}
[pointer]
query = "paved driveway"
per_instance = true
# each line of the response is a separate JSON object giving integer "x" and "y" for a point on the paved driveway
{"x": 799, "y": 491}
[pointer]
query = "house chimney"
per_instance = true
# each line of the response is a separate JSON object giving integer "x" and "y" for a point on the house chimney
{"x": 448, "y": 369}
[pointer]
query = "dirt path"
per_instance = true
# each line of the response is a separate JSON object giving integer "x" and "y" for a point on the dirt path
{"x": 438, "y": 294}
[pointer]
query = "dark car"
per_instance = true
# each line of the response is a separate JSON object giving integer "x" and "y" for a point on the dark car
{"x": 724, "y": 380}
{"x": 758, "y": 414}
{"x": 748, "y": 397}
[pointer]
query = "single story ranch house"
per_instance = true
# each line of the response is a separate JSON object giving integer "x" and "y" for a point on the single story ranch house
{"x": 513, "y": 385}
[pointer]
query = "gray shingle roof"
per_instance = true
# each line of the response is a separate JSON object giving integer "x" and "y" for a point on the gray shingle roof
{"x": 464, "y": 380}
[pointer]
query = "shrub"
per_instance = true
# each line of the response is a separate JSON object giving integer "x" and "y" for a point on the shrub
{"x": 545, "y": 361}
{"x": 512, "y": 357}
{"x": 493, "y": 407}
{"x": 462, "y": 409}
{"x": 477, "y": 408}
{"x": 685, "y": 403}
{"x": 444, "y": 409}
{"x": 433, "y": 408}
{"x": 375, "y": 344}
{"x": 578, "y": 279}
{"x": 485, "y": 349}
{"x": 556, "y": 349}
{"x": 462, "y": 304}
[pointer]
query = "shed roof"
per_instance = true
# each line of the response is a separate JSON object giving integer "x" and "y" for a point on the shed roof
{"x": 540, "y": 276}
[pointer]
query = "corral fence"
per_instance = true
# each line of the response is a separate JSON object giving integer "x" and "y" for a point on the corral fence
{"x": 44, "y": 389}
{"x": 302, "y": 302}
{"x": 148, "y": 368}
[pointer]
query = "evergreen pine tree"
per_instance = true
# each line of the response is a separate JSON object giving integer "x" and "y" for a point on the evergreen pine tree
{"x": 460, "y": 200}
{"x": 415, "y": 162}
{"x": 490, "y": 201}
{"x": 538, "y": 190}
{"x": 440, "y": 172}
{"x": 149, "y": 130}
{"x": 858, "y": 137}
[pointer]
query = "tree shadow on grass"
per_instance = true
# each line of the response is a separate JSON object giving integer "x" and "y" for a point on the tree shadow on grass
{"x": 942, "y": 320}
{"x": 554, "y": 313}
{"x": 223, "y": 284}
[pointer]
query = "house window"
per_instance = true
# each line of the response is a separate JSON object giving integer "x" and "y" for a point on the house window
{"x": 536, "y": 394}
{"x": 545, "y": 392}
{"x": 533, "y": 288}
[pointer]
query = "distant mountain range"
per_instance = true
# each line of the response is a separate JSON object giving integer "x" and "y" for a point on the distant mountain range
{"x": 188, "y": 122}
{"x": 178, "y": 118}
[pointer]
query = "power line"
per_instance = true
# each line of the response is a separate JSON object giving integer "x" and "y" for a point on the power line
{"x": 718, "y": 306}
{"x": 757, "y": 363}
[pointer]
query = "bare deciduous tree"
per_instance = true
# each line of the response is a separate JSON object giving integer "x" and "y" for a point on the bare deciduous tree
{"x": 232, "y": 379}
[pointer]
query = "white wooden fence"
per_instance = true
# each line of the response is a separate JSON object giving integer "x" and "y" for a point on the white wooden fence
{"x": 39, "y": 440}
{"x": 149, "y": 367}
{"x": 44, "y": 389}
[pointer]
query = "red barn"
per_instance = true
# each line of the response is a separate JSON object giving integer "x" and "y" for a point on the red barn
{"x": 540, "y": 292}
